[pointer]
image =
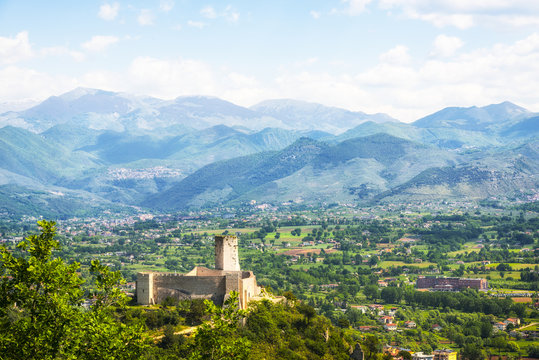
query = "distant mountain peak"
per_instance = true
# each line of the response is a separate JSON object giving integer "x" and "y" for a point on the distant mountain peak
{"x": 310, "y": 116}
{"x": 78, "y": 93}
{"x": 474, "y": 118}
{"x": 506, "y": 107}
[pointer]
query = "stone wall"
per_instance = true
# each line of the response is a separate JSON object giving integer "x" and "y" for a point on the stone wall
{"x": 248, "y": 288}
{"x": 153, "y": 288}
{"x": 201, "y": 283}
{"x": 189, "y": 287}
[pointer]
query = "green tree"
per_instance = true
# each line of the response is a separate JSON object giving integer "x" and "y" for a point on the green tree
{"x": 405, "y": 355}
{"x": 391, "y": 295}
{"x": 219, "y": 338}
{"x": 533, "y": 351}
{"x": 372, "y": 347}
{"x": 41, "y": 312}
{"x": 371, "y": 292}
{"x": 472, "y": 351}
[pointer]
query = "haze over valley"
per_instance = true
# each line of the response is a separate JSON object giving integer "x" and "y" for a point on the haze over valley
{"x": 101, "y": 148}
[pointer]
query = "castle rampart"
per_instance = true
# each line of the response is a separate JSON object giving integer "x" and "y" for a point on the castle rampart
{"x": 201, "y": 282}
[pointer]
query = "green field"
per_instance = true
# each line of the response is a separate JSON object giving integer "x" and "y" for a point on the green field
{"x": 387, "y": 264}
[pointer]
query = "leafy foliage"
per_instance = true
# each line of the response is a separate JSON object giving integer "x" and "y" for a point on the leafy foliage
{"x": 219, "y": 338}
{"x": 41, "y": 316}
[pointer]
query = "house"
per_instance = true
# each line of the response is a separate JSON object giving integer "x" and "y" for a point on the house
{"x": 514, "y": 321}
{"x": 391, "y": 350}
{"x": 377, "y": 308}
{"x": 390, "y": 327}
{"x": 361, "y": 308}
{"x": 410, "y": 324}
{"x": 385, "y": 319}
{"x": 421, "y": 356}
{"x": 365, "y": 328}
{"x": 436, "y": 327}
{"x": 446, "y": 354}
{"x": 500, "y": 326}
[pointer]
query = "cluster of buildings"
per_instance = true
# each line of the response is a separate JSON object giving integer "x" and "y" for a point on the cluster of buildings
{"x": 444, "y": 354}
{"x": 502, "y": 325}
{"x": 145, "y": 173}
{"x": 441, "y": 283}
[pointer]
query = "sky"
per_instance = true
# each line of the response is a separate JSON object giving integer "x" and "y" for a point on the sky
{"x": 406, "y": 58}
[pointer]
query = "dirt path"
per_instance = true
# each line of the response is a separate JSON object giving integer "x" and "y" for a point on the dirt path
{"x": 187, "y": 331}
{"x": 526, "y": 326}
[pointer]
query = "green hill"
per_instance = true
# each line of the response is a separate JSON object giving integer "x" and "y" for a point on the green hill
{"x": 306, "y": 170}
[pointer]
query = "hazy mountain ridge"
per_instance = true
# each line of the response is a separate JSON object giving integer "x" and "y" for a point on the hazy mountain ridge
{"x": 385, "y": 157}
{"x": 507, "y": 173}
{"x": 306, "y": 115}
{"x": 105, "y": 110}
{"x": 133, "y": 150}
{"x": 492, "y": 117}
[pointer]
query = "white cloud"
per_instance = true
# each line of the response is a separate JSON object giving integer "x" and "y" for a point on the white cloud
{"x": 208, "y": 12}
{"x": 108, "y": 11}
{"x": 397, "y": 55}
{"x": 62, "y": 51}
{"x": 196, "y": 24}
{"x": 446, "y": 45}
{"x": 464, "y": 14}
{"x": 315, "y": 14}
{"x": 170, "y": 78}
{"x": 145, "y": 17}
{"x": 166, "y": 5}
{"x": 396, "y": 85}
{"x": 22, "y": 83}
{"x": 99, "y": 43}
{"x": 410, "y": 90}
{"x": 240, "y": 80}
{"x": 460, "y": 21}
{"x": 228, "y": 13}
{"x": 355, "y": 7}
{"x": 520, "y": 20}
{"x": 467, "y": 6}
{"x": 13, "y": 50}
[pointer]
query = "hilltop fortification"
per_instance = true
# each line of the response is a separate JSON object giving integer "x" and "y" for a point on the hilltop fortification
{"x": 201, "y": 282}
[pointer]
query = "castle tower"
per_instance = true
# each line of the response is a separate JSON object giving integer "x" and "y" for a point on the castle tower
{"x": 226, "y": 253}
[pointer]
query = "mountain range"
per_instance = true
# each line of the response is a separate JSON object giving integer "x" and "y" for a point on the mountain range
{"x": 112, "y": 150}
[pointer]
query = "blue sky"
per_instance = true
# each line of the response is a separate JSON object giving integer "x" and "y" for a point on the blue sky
{"x": 406, "y": 58}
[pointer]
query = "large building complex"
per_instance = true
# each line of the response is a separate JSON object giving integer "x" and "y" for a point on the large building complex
{"x": 201, "y": 282}
{"x": 450, "y": 283}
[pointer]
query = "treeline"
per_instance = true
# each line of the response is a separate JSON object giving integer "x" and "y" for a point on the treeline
{"x": 448, "y": 235}
{"x": 287, "y": 330}
{"x": 468, "y": 301}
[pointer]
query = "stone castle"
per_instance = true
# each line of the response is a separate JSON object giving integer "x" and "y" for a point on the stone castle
{"x": 201, "y": 282}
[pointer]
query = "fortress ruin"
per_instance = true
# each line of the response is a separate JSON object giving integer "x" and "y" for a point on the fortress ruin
{"x": 201, "y": 282}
